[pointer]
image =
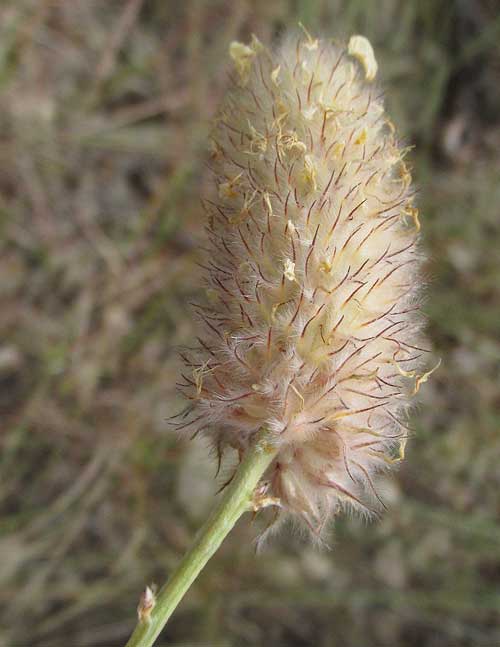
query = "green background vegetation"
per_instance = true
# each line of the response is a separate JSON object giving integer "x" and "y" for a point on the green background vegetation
{"x": 104, "y": 111}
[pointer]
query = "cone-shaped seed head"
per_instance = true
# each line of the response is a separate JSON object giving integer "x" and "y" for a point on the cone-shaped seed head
{"x": 310, "y": 326}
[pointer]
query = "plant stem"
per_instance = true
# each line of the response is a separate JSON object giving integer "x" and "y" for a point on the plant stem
{"x": 237, "y": 499}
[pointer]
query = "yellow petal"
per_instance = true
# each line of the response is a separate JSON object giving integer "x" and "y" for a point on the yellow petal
{"x": 423, "y": 378}
{"x": 361, "y": 48}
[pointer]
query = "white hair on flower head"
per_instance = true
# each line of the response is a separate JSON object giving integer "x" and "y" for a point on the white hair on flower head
{"x": 312, "y": 327}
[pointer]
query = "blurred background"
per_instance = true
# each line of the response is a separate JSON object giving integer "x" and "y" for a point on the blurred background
{"x": 105, "y": 107}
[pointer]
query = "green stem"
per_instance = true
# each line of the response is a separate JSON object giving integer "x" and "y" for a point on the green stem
{"x": 238, "y": 498}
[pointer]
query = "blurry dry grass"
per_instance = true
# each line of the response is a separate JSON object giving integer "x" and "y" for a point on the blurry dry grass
{"x": 104, "y": 110}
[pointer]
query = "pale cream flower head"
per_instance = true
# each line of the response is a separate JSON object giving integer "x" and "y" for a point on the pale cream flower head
{"x": 310, "y": 325}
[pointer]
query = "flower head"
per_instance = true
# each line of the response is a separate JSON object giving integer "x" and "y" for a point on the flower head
{"x": 310, "y": 326}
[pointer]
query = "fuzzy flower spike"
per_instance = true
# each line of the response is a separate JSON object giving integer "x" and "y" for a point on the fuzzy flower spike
{"x": 309, "y": 350}
{"x": 310, "y": 329}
